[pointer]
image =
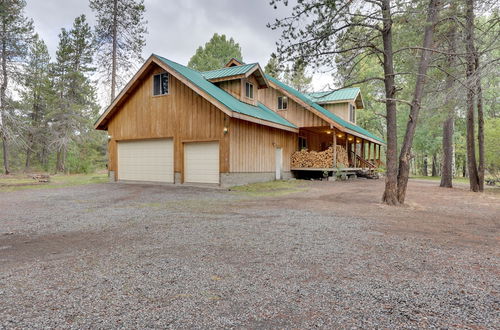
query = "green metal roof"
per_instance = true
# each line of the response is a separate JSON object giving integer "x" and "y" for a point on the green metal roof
{"x": 197, "y": 78}
{"x": 228, "y": 72}
{"x": 325, "y": 112}
{"x": 332, "y": 96}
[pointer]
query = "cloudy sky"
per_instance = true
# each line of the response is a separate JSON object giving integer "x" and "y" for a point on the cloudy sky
{"x": 177, "y": 28}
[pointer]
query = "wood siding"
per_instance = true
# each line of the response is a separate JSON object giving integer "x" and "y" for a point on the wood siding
{"x": 182, "y": 115}
{"x": 296, "y": 114}
{"x": 233, "y": 87}
{"x": 340, "y": 109}
{"x": 253, "y": 147}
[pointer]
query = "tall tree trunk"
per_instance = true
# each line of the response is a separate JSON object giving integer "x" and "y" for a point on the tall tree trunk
{"x": 114, "y": 50}
{"x": 471, "y": 90}
{"x": 480, "y": 124}
{"x": 425, "y": 170}
{"x": 390, "y": 192}
{"x": 60, "y": 160}
{"x": 27, "y": 164}
{"x": 405, "y": 155}
{"x": 434, "y": 165}
{"x": 3, "y": 105}
{"x": 449, "y": 122}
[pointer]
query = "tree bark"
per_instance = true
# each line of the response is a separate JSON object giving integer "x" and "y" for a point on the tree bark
{"x": 434, "y": 165}
{"x": 3, "y": 106}
{"x": 114, "y": 50}
{"x": 390, "y": 193}
{"x": 449, "y": 122}
{"x": 471, "y": 90}
{"x": 480, "y": 124}
{"x": 425, "y": 170}
{"x": 405, "y": 155}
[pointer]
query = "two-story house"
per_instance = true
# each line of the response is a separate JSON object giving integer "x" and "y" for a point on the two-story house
{"x": 229, "y": 126}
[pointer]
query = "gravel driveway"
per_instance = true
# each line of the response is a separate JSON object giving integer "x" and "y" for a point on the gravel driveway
{"x": 139, "y": 256}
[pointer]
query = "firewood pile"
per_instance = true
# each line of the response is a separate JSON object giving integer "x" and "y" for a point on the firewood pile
{"x": 318, "y": 159}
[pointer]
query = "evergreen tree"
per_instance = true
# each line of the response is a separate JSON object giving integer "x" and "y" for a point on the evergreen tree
{"x": 74, "y": 105}
{"x": 15, "y": 35}
{"x": 273, "y": 67}
{"x": 35, "y": 96}
{"x": 215, "y": 54}
{"x": 120, "y": 39}
{"x": 297, "y": 77}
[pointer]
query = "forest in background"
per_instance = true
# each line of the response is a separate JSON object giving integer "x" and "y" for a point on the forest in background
{"x": 48, "y": 105}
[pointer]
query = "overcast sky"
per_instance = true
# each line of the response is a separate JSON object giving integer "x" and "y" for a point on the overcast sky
{"x": 177, "y": 28}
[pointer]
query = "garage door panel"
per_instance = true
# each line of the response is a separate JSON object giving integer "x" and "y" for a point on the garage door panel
{"x": 201, "y": 162}
{"x": 146, "y": 160}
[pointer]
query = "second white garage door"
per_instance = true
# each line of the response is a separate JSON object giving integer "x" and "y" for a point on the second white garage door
{"x": 201, "y": 162}
{"x": 146, "y": 160}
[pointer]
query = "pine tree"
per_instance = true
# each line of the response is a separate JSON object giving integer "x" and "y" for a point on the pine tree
{"x": 74, "y": 104}
{"x": 35, "y": 96}
{"x": 120, "y": 39}
{"x": 215, "y": 54}
{"x": 273, "y": 67}
{"x": 297, "y": 77}
{"x": 15, "y": 35}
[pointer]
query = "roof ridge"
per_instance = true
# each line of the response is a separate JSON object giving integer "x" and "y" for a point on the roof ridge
{"x": 229, "y": 68}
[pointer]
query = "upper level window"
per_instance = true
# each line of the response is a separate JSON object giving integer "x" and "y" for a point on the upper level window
{"x": 249, "y": 90}
{"x": 160, "y": 82}
{"x": 352, "y": 113}
{"x": 282, "y": 103}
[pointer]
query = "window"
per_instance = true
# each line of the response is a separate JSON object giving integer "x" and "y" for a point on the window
{"x": 352, "y": 113}
{"x": 302, "y": 143}
{"x": 160, "y": 82}
{"x": 249, "y": 90}
{"x": 282, "y": 103}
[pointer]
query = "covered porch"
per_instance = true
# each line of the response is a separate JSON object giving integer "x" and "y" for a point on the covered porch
{"x": 330, "y": 149}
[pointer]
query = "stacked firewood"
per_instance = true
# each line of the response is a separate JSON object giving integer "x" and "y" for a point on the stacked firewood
{"x": 318, "y": 159}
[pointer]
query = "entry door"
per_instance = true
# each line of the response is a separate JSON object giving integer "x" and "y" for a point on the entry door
{"x": 279, "y": 162}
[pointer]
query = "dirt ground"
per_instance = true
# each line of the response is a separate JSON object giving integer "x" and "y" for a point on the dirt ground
{"x": 311, "y": 254}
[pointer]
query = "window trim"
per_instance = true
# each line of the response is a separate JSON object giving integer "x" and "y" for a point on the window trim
{"x": 168, "y": 83}
{"x": 246, "y": 89}
{"x": 282, "y": 97}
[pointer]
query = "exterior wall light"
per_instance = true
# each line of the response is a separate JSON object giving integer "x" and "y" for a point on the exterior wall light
{"x": 225, "y": 130}
{"x": 109, "y": 137}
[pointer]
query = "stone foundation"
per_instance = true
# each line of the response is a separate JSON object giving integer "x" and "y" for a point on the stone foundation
{"x": 239, "y": 179}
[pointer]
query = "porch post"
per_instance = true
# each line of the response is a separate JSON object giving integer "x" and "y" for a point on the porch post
{"x": 363, "y": 149}
{"x": 379, "y": 147}
{"x": 369, "y": 151}
{"x": 347, "y": 149}
{"x": 334, "y": 148}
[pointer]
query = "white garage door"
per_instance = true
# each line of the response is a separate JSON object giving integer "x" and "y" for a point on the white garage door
{"x": 201, "y": 162}
{"x": 146, "y": 160}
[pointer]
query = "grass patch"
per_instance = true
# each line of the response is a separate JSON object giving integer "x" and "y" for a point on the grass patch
{"x": 438, "y": 178}
{"x": 272, "y": 188}
{"x": 15, "y": 183}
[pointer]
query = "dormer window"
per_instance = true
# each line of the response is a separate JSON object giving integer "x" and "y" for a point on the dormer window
{"x": 352, "y": 113}
{"x": 160, "y": 84}
{"x": 282, "y": 102}
{"x": 249, "y": 90}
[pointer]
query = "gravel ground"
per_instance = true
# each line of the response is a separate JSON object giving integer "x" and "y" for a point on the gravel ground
{"x": 138, "y": 256}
